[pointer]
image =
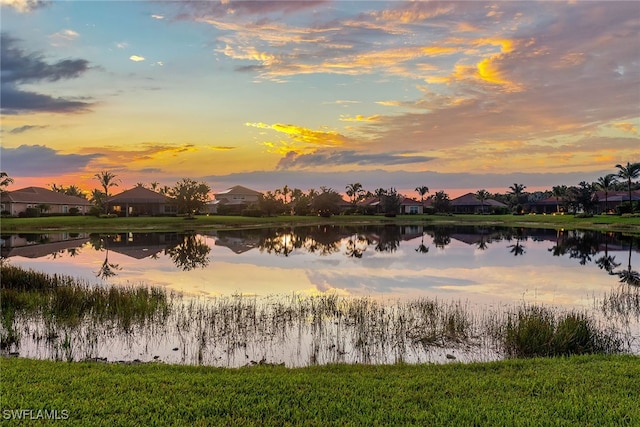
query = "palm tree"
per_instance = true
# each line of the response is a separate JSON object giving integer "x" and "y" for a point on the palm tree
{"x": 629, "y": 172}
{"x": 354, "y": 191}
{"x": 606, "y": 183}
{"x": 559, "y": 191}
{"x": 107, "y": 180}
{"x": 422, "y": 191}
{"x": 284, "y": 192}
{"x": 482, "y": 195}
{"x": 517, "y": 190}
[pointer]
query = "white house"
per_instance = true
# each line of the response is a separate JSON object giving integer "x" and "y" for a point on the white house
{"x": 237, "y": 198}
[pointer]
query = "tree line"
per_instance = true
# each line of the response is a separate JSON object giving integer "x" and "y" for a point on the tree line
{"x": 191, "y": 196}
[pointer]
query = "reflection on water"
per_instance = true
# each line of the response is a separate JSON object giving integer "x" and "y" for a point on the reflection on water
{"x": 492, "y": 263}
{"x": 472, "y": 273}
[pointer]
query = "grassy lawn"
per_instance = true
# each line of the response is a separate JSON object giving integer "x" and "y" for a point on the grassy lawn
{"x": 581, "y": 390}
{"x": 94, "y": 224}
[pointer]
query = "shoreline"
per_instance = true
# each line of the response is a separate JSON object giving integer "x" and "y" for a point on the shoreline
{"x": 625, "y": 225}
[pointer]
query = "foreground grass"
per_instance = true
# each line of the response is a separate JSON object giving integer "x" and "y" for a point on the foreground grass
{"x": 94, "y": 224}
{"x": 584, "y": 390}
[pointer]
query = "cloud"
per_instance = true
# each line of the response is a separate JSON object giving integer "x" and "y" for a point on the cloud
{"x": 64, "y": 37}
{"x": 39, "y": 160}
{"x": 221, "y": 147}
{"x": 122, "y": 45}
{"x": 25, "y": 6}
{"x": 302, "y": 137}
{"x": 26, "y": 128}
{"x": 16, "y": 101}
{"x": 154, "y": 16}
{"x": 136, "y": 58}
{"x": 19, "y": 67}
{"x": 293, "y": 160}
{"x": 626, "y": 127}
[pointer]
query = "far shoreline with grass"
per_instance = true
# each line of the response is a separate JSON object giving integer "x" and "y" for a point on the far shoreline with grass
{"x": 625, "y": 224}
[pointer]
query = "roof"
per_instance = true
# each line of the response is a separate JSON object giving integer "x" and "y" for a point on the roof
{"x": 139, "y": 195}
{"x": 470, "y": 199}
{"x": 410, "y": 202}
{"x": 39, "y": 195}
{"x": 240, "y": 190}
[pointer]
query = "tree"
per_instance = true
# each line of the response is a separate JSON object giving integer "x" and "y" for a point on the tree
{"x": 582, "y": 197}
{"x": 390, "y": 202}
{"x": 441, "y": 202}
{"x": 107, "y": 180}
{"x": 5, "y": 181}
{"x": 606, "y": 184}
{"x": 284, "y": 192}
{"x": 326, "y": 203}
{"x": 482, "y": 195}
{"x": 517, "y": 190}
{"x": 355, "y": 192}
{"x": 422, "y": 191}
{"x": 270, "y": 204}
{"x": 97, "y": 197}
{"x": 190, "y": 196}
{"x": 628, "y": 173}
{"x": 559, "y": 191}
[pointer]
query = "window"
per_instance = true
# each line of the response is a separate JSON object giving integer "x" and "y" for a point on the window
{"x": 65, "y": 209}
{"x": 413, "y": 209}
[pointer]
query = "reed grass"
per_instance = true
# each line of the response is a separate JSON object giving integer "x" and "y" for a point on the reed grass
{"x": 536, "y": 331}
{"x": 74, "y": 320}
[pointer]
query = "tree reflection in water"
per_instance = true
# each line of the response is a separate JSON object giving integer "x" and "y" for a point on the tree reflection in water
{"x": 630, "y": 276}
{"x": 191, "y": 253}
{"x": 107, "y": 269}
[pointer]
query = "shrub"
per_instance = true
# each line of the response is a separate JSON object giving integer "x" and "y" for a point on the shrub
{"x": 499, "y": 210}
{"x": 256, "y": 213}
{"x": 538, "y": 332}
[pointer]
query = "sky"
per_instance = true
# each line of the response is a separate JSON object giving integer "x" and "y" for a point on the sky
{"x": 455, "y": 96}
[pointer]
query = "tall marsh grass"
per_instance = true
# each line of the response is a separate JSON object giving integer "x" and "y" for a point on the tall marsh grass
{"x": 60, "y": 318}
{"x": 536, "y": 331}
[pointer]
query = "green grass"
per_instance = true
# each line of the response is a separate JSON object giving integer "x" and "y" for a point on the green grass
{"x": 94, "y": 224}
{"x": 581, "y": 390}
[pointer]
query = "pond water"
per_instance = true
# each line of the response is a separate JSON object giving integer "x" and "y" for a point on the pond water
{"x": 478, "y": 269}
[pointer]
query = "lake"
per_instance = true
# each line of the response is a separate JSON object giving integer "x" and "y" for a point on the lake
{"x": 477, "y": 270}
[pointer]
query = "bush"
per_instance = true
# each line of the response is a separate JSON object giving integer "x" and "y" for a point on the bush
{"x": 74, "y": 211}
{"x": 626, "y": 208}
{"x": 537, "y": 332}
{"x": 255, "y": 213}
{"x": 30, "y": 213}
{"x": 499, "y": 210}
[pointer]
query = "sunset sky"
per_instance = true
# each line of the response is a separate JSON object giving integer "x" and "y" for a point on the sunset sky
{"x": 456, "y": 96}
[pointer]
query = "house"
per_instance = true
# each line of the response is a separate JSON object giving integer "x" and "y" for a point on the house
{"x": 548, "y": 205}
{"x": 370, "y": 205}
{"x": 411, "y": 206}
{"x": 469, "y": 203}
{"x": 234, "y": 199}
{"x": 615, "y": 198}
{"x": 141, "y": 201}
{"x": 18, "y": 202}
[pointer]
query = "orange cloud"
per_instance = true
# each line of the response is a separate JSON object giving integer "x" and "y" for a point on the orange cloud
{"x": 626, "y": 127}
{"x": 360, "y": 118}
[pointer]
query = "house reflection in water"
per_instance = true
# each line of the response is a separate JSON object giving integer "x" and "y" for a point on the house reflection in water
{"x": 41, "y": 245}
